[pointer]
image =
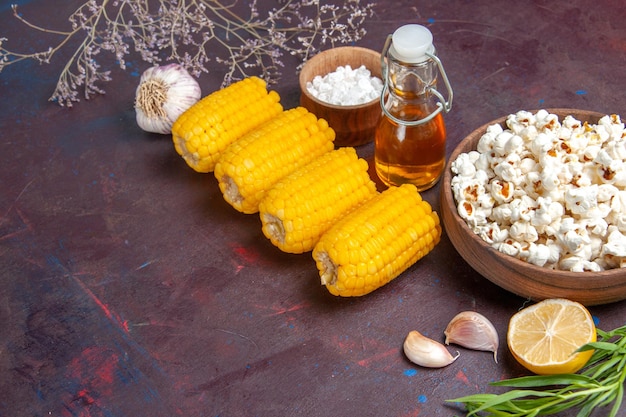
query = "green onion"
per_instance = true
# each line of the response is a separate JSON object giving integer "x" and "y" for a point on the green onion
{"x": 599, "y": 384}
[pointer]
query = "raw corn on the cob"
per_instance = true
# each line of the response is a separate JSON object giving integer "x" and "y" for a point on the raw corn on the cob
{"x": 376, "y": 242}
{"x": 202, "y": 132}
{"x": 299, "y": 208}
{"x": 250, "y": 166}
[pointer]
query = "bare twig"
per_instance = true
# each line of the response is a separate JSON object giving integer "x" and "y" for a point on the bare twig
{"x": 192, "y": 33}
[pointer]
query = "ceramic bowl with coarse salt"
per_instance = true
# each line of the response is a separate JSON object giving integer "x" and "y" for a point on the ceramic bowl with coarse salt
{"x": 354, "y": 124}
{"x": 519, "y": 276}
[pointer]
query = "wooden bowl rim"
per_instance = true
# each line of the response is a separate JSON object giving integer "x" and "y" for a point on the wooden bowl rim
{"x": 320, "y": 55}
{"x": 542, "y": 275}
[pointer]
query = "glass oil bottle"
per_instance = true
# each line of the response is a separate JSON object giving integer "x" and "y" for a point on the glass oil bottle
{"x": 410, "y": 139}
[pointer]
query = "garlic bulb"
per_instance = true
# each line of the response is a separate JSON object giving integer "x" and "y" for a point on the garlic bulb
{"x": 473, "y": 331}
{"x": 426, "y": 352}
{"x": 163, "y": 94}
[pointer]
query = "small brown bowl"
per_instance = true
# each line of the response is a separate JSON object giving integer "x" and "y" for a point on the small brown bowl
{"x": 514, "y": 275}
{"x": 353, "y": 125}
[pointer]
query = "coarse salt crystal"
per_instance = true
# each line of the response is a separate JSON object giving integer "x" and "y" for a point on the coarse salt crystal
{"x": 346, "y": 86}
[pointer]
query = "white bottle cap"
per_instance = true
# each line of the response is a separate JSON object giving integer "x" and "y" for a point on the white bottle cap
{"x": 409, "y": 43}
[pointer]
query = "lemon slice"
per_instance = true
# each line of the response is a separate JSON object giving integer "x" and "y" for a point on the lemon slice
{"x": 544, "y": 337}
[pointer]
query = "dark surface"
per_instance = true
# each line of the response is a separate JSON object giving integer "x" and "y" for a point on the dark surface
{"x": 130, "y": 288}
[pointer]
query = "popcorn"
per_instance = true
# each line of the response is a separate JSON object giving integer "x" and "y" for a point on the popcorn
{"x": 549, "y": 178}
{"x": 464, "y": 164}
{"x": 499, "y": 144}
{"x": 502, "y": 191}
{"x": 508, "y": 169}
{"x": 547, "y": 212}
{"x": 615, "y": 245}
{"x": 548, "y": 192}
{"x": 541, "y": 144}
{"x": 617, "y": 217}
{"x": 522, "y": 209}
{"x": 580, "y": 200}
{"x": 576, "y": 264}
{"x": 491, "y": 233}
{"x": 539, "y": 254}
{"x": 523, "y": 232}
{"x": 509, "y": 247}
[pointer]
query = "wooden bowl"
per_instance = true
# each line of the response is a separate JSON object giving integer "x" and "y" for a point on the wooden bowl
{"x": 354, "y": 125}
{"x": 517, "y": 276}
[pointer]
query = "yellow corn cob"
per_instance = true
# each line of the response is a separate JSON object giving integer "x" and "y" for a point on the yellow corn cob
{"x": 377, "y": 242}
{"x": 299, "y": 208}
{"x": 253, "y": 164}
{"x": 202, "y": 132}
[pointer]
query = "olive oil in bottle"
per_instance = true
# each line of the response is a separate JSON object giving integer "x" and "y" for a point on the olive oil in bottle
{"x": 410, "y": 140}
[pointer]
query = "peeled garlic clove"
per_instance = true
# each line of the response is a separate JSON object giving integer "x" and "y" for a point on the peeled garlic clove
{"x": 163, "y": 94}
{"x": 472, "y": 330}
{"x": 426, "y": 352}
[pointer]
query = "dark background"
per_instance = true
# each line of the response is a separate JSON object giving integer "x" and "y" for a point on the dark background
{"x": 130, "y": 288}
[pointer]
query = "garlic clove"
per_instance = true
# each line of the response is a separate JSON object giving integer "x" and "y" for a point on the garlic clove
{"x": 472, "y": 330}
{"x": 426, "y": 352}
{"x": 163, "y": 94}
